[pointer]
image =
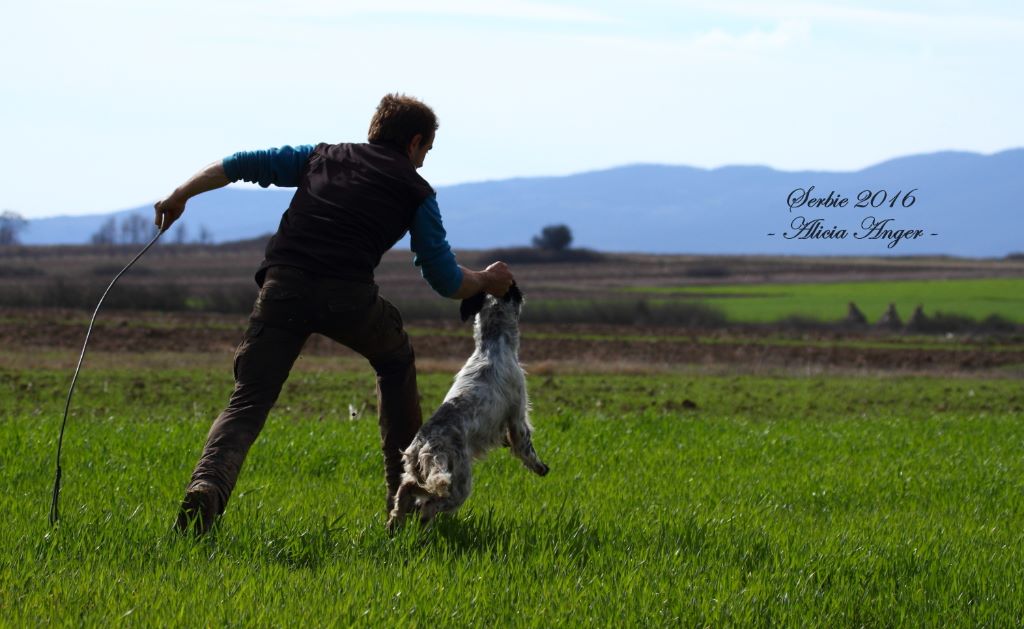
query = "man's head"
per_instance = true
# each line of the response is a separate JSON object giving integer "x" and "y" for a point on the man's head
{"x": 405, "y": 123}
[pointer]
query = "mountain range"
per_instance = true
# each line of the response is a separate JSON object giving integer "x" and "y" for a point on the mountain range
{"x": 963, "y": 204}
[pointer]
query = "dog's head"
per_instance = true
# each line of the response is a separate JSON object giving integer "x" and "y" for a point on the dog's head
{"x": 488, "y": 306}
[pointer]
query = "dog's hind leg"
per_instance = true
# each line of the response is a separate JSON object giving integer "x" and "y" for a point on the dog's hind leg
{"x": 521, "y": 441}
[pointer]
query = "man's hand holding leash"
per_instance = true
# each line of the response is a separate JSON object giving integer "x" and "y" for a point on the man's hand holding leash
{"x": 172, "y": 207}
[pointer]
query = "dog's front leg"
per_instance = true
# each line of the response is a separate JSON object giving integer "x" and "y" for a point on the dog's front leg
{"x": 520, "y": 438}
{"x": 404, "y": 499}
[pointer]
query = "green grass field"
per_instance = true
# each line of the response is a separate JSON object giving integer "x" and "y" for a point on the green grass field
{"x": 977, "y": 298}
{"x": 796, "y": 501}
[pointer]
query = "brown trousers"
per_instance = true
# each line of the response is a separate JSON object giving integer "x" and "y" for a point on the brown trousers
{"x": 292, "y": 305}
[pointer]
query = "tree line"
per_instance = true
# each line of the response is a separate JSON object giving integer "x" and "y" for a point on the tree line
{"x": 129, "y": 230}
{"x": 135, "y": 229}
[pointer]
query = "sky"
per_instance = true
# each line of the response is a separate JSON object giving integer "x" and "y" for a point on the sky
{"x": 111, "y": 104}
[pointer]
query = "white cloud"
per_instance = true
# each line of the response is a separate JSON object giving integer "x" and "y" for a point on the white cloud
{"x": 787, "y": 32}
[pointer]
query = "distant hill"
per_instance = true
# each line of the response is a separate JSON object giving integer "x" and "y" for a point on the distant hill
{"x": 971, "y": 201}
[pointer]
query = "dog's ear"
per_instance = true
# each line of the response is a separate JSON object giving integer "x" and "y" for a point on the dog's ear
{"x": 471, "y": 306}
{"x": 514, "y": 294}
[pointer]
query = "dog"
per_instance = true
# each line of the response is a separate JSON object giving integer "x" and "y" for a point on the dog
{"x": 486, "y": 407}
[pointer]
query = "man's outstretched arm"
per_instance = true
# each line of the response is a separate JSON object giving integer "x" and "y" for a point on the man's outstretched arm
{"x": 278, "y": 166}
{"x": 172, "y": 207}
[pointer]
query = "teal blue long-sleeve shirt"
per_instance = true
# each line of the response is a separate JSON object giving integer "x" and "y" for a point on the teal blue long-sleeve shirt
{"x": 428, "y": 240}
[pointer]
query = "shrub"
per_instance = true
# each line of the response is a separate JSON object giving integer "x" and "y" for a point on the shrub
{"x": 553, "y": 238}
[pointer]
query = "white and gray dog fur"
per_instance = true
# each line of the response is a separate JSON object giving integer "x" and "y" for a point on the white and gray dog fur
{"x": 486, "y": 407}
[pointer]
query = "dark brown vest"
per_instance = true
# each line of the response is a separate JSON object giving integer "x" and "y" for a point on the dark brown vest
{"x": 353, "y": 203}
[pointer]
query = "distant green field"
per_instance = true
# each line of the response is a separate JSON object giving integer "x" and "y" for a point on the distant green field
{"x": 976, "y": 298}
{"x": 672, "y": 501}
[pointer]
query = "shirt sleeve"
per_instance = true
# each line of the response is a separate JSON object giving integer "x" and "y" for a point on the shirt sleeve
{"x": 278, "y": 166}
{"x": 432, "y": 253}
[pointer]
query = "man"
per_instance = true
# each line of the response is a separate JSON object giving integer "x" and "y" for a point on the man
{"x": 352, "y": 203}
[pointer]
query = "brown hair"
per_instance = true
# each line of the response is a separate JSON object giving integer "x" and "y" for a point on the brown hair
{"x": 398, "y": 118}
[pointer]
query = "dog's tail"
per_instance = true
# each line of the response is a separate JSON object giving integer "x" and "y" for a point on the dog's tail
{"x": 438, "y": 480}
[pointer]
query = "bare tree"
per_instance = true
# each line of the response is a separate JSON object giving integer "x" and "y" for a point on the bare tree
{"x": 11, "y": 223}
{"x": 135, "y": 229}
{"x": 106, "y": 234}
{"x": 181, "y": 234}
{"x": 205, "y": 235}
{"x": 126, "y": 232}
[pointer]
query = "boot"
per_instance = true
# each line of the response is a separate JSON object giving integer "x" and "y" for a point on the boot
{"x": 199, "y": 509}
